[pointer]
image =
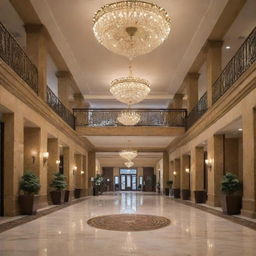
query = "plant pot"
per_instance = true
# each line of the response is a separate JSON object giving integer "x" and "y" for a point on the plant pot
{"x": 200, "y": 196}
{"x": 176, "y": 193}
{"x": 77, "y": 193}
{"x": 28, "y": 204}
{"x": 66, "y": 198}
{"x": 167, "y": 191}
{"x": 231, "y": 204}
{"x": 185, "y": 193}
{"x": 57, "y": 197}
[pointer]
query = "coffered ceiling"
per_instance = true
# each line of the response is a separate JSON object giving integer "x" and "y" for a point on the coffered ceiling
{"x": 93, "y": 67}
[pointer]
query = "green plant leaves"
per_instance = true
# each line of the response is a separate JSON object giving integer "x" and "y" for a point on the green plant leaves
{"x": 30, "y": 183}
{"x": 230, "y": 183}
{"x": 59, "y": 181}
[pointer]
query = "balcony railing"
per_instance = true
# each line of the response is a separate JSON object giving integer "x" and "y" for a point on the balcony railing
{"x": 197, "y": 111}
{"x": 14, "y": 56}
{"x": 148, "y": 117}
{"x": 242, "y": 60}
{"x": 54, "y": 102}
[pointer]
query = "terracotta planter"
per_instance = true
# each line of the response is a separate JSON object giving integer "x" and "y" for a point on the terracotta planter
{"x": 57, "y": 197}
{"x": 66, "y": 198}
{"x": 77, "y": 193}
{"x": 185, "y": 193}
{"x": 200, "y": 197}
{"x": 28, "y": 204}
{"x": 231, "y": 204}
{"x": 176, "y": 193}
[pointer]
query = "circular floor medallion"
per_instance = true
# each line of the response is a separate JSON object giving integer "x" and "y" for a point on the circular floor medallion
{"x": 129, "y": 222}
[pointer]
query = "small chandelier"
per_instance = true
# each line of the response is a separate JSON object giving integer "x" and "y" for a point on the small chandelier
{"x": 132, "y": 27}
{"x": 129, "y": 164}
{"x": 130, "y": 90}
{"x": 128, "y": 154}
{"x": 128, "y": 117}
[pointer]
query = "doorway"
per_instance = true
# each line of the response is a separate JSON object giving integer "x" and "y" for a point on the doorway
{"x": 128, "y": 179}
{"x": 1, "y": 169}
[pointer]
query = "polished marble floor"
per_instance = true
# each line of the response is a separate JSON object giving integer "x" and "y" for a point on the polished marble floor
{"x": 192, "y": 231}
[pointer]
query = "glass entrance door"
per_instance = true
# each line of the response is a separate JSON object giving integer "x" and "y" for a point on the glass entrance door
{"x": 128, "y": 182}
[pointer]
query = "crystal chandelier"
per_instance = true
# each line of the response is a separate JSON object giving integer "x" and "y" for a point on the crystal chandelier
{"x": 132, "y": 27}
{"x": 128, "y": 154}
{"x": 130, "y": 90}
{"x": 128, "y": 117}
{"x": 129, "y": 164}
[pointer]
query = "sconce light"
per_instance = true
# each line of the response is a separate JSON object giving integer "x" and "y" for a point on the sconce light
{"x": 174, "y": 173}
{"x": 45, "y": 156}
{"x": 33, "y": 153}
{"x": 187, "y": 170}
{"x": 74, "y": 169}
{"x": 57, "y": 162}
{"x": 208, "y": 162}
{"x": 82, "y": 172}
{"x": 92, "y": 178}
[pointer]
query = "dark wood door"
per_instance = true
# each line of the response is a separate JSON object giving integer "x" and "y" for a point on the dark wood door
{"x": 1, "y": 169}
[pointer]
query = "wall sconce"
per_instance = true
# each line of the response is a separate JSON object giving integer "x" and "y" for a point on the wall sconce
{"x": 174, "y": 173}
{"x": 82, "y": 172}
{"x": 92, "y": 179}
{"x": 45, "y": 156}
{"x": 57, "y": 162}
{"x": 209, "y": 162}
{"x": 33, "y": 153}
{"x": 187, "y": 170}
{"x": 74, "y": 169}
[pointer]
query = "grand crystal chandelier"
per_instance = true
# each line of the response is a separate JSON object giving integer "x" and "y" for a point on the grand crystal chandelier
{"x": 130, "y": 90}
{"x": 128, "y": 117}
{"x": 129, "y": 164}
{"x": 132, "y": 27}
{"x": 129, "y": 155}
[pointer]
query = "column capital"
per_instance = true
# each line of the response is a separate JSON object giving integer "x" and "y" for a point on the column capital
{"x": 78, "y": 96}
{"x": 193, "y": 75}
{"x": 214, "y": 43}
{"x": 33, "y": 28}
{"x": 63, "y": 74}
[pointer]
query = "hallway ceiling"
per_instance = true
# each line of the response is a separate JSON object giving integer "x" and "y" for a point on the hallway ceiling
{"x": 94, "y": 67}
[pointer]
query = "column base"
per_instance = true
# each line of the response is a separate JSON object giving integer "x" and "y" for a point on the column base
{"x": 249, "y": 208}
{"x": 185, "y": 194}
{"x": 176, "y": 193}
{"x": 200, "y": 196}
{"x": 213, "y": 200}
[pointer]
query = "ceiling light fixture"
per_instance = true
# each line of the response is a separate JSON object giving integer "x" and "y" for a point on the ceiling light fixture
{"x": 128, "y": 117}
{"x": 132, "y": 27}
{"x": 128, "y": 154}
{"x": 129, "y": 164}
{"x": 130, "y": 90}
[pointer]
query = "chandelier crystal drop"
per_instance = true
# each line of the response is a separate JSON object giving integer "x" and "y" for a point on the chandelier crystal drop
{"x": 129, "y": 164}
{"x": 128, "y": 154}
{"x": 132, "y": 27}
{"x": 130, "y": 90}
{"x": 128, "y": 117}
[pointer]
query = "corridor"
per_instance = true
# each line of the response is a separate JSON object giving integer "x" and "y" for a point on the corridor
{"x": 192, "y": 232}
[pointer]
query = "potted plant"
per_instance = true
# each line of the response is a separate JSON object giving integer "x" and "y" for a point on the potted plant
{"x": 59, "y": 184}
{"x": 231, "y": 199}
{"x": 98, "y": 185}
{"x": 168, "y": 191}
{"x": 30, "y": 185}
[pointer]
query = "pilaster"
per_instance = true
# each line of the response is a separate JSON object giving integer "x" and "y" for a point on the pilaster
{"x": 192, "y": 90}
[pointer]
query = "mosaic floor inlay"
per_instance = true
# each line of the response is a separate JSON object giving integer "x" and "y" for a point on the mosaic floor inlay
{"x": 129, "y": 222}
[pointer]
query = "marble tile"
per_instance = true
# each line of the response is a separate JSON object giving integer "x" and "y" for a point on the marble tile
{"x": 192, "y": 232}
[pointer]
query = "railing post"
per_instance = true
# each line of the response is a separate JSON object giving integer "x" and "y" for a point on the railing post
{"x": 37, "y": 52}
{"x": 213, "y": 64}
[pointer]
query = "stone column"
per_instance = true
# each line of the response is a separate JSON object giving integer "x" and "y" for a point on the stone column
{"x": 185, "y": 177}
{"x": 91, "y": 168}
{"x": 216, "y": 171}
{"x": 69, "y": 163}
{"x": 85, "y": 176}
{"x": 78, "y": 174}
{"x": 213, "y": 64}
{"x": 176, "y": 178}
{"x": 54, "y": 155}
{"x": 37, "y": 52}
{"x": 13, "y": 161}
{"x": 64, "y": 85}
{"x": 249, "y": 162}
{"x": 192, "y": 90}
{"x": 165, "y": 170}
{"x": 197, "y": 174}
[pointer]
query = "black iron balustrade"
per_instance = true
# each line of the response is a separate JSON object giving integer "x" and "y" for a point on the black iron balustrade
{"x": 15, "y": 57}
{"x": 197, "y": 111}
{"x": 54, "y": 102}
{"x": 242, "y": 60}
{"x": 148, "y": 117}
